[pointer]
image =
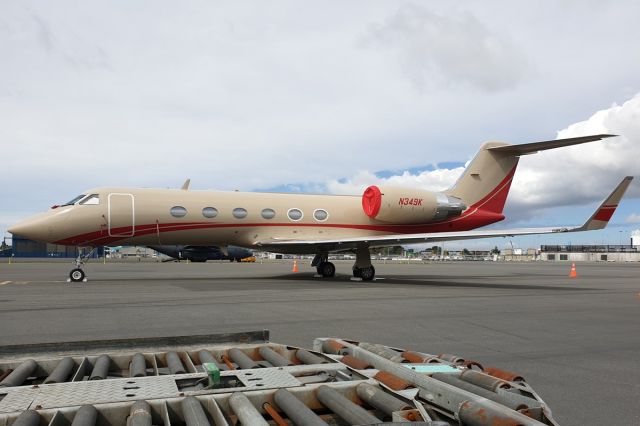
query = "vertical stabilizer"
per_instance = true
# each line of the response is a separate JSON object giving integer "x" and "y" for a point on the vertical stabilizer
{"x": 486, "y": 181}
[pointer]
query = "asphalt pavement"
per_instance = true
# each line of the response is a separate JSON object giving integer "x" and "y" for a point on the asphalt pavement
{"x": 576, "y": 341}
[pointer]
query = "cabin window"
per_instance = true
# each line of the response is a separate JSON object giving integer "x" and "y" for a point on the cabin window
{"x": 320, "y": 215}
{"x": 91, "y": 200}
{"x": 239, "y": 213}
{"x": 268, "y": 213}
{"x": 209, "y": 212}
{"x": 295, "y": 214}
{"x": 178, "y": 211}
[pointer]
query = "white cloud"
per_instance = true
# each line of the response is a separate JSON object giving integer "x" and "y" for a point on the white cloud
{"x": 435, "y": 180}
{"x": 456, "y": 49}
{"x": 633, "y": 218}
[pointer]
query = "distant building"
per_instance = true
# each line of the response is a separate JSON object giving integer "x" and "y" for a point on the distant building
{"x": 21, "y": 247}
{"x": 635, "y": 238}
{"x": 606, "y": 253}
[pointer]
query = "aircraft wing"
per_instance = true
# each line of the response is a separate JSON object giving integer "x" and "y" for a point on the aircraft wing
{"x": 598, "y": 220}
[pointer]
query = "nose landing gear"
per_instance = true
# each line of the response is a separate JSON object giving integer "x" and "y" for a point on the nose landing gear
{"x": 77, "y": 274}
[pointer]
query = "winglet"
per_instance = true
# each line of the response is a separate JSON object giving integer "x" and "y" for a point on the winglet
{"x": 601, "y": 217}
{"x": 185, "y": 185}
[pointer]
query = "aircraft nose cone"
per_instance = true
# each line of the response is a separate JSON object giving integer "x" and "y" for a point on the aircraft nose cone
{"x": 30, "y": 229}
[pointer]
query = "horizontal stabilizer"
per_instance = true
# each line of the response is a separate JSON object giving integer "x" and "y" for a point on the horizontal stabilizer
{"x": 531, "y": 148}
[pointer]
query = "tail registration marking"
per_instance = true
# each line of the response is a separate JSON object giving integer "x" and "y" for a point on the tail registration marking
{"x": 410, "y": 201}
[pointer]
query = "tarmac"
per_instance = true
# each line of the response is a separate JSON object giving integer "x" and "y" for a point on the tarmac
{"x": 576, "y": 341}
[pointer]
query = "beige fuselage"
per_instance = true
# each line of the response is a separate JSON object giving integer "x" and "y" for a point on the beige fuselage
{"x": 135, "y": 216}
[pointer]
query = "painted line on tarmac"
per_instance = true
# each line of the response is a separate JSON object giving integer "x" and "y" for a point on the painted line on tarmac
{"x": 5, "y": 282}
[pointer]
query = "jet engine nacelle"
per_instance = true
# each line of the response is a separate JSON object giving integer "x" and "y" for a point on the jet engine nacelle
{"x": 409, "y": 205}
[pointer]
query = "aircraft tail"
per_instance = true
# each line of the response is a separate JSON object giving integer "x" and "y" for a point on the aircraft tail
{"x": 485, "y": 183}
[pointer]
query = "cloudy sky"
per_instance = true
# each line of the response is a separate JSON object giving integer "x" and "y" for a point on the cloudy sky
{"x": 325, "y": 96}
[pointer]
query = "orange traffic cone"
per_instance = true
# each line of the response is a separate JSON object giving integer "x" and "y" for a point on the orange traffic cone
{"x": 295, "y": 266}
{"x": 573, "y": 273}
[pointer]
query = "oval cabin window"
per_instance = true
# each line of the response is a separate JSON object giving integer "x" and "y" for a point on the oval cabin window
{"x": 209, "y": 212}
{"x": 295, "y": 214}
{"x": 178, "y": 211}
{"x": 268, "y": 213}
{"x": 239, "y": 213}
{"x": 320, "y": 215}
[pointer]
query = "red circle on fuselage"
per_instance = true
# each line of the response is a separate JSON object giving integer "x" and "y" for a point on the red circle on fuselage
{"x": 371, "y": 201}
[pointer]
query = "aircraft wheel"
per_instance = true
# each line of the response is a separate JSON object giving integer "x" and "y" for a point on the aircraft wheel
{"x": 76, "y": 275}
{"x": 327, "y": 269}
{"x": 367, "y": 274}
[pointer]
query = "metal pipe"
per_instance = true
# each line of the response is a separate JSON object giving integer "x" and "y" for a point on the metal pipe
{"x": 206, "y": 357}
{"x": 296, "y": 410}
{"x": 418, "y": 357}
{"x": 242, "y": 359}
{"x": 20, "y": 374}
{"x": 504, "y": 375}
{"x": 392, "y": 381}
{"x": 484, "y": 380}
{"x": 274, "y": 414}
{"x": 355, "y": 363}
{"x": 100, "y": 368}
{"x": 383, "y": 351}
{"x": 307, "y": 357}
{"x": 439, "y": 393}
{"x": 377, "y": 398}
{"x": 62, "y": 371}
{"x": 140, "y": 414}
{"x": 511, "y": 400}
{"x": 455, "y": 359}
{"x": 174, "y": 363}
{"x": 274, "y": 357}
{"x": 193, "y": 412}
{"x": 473, "y": 413}
{"x": 344, "y": 408}
{"x": 85, "y": 416}
{"x": 246, "y": 412}
{"x": 27, "y": 418}
{"x": 330, "y": 346}
{"x": 227, "y": 362}
{"x": 138, "y": 366}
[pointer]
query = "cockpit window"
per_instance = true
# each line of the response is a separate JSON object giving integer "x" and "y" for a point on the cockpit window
{"x": 75, "y": 200}
{"x": 93, "y": 199}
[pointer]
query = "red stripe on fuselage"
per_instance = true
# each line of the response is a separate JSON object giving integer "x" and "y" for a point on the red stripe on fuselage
{"x": 486, "y": 211}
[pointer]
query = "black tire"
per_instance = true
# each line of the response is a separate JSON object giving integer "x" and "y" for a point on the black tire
{"x": 327, "y": 269}
{"x": 357, "y": 272}
{"x": 76, "y": 275}
{"x": 368, "y": 274}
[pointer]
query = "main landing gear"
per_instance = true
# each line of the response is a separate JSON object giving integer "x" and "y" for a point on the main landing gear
{"x": 363, "y": 270}
{"x": 324, "y": 268}
{"x": 77, "y": 274}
